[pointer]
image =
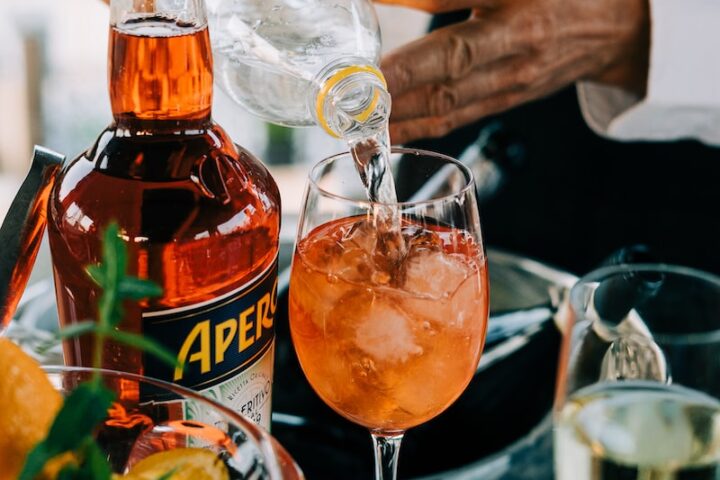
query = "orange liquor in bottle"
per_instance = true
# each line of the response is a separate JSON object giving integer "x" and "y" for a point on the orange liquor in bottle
{"x": 200, "y": 215}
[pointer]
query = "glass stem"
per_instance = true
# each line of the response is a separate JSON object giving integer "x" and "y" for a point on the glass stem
{"x": 387, "y": 449}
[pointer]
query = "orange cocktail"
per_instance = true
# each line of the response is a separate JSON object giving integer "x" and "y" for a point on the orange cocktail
{"x": 388, "y": 348}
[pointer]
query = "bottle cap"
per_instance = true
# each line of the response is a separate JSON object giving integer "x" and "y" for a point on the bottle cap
{"x": 336, "y": 78}
{"x": 22, "y": 230}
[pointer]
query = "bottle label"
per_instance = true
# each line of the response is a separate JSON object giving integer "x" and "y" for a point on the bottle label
{"x": 226, "y": 346}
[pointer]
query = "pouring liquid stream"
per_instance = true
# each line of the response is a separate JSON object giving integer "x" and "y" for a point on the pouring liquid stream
{"x": 371, "y": 152}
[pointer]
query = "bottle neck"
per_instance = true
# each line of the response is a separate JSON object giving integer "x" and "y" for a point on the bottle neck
{"x": 350, "y": 99}
{"x": 160, "y": 66}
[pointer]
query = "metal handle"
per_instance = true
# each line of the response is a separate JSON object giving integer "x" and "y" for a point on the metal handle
{"x": 23, "y": 228}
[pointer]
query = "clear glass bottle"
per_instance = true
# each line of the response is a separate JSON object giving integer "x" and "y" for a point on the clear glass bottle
{"x": 301, "y": 62}
{"x": 201, "y": 217}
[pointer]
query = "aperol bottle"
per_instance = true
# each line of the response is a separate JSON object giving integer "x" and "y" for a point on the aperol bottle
{"x": 200, "y": 215}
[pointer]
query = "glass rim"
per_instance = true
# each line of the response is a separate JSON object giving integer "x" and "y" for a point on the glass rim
{"x": 261, "y": 438}
{"x": 467, "y": 187}
{"x": 602, "y": 273}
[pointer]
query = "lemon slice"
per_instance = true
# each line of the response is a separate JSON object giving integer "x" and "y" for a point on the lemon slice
{"x": 336, "y": 77}
{"x": 184, "y": 463}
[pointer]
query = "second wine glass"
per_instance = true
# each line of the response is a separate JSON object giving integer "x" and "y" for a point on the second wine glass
{"x": 389, "y": 328}
{"x": 638, "y": 392}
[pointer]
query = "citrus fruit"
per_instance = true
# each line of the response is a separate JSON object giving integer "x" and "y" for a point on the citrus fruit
{"x": 28, "y": 404}
{"x": 184, "y": 463}
{"x": 52, "y": 467}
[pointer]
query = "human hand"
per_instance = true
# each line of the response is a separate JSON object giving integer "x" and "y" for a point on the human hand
{"x": 509, "y": 52}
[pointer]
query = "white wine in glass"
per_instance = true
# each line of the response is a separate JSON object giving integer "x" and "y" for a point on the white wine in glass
{"x": 638, "y": 430}
{"x": 639, "y": 380}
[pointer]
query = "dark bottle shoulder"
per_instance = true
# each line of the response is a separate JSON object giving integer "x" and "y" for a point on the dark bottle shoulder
{"x": 199, "y": 178}
{"x": 204, "y": 155}
{"x": 164, "y": 156}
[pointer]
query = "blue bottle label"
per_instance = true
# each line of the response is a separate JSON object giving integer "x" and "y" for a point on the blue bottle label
{"x": 226, "y": 346}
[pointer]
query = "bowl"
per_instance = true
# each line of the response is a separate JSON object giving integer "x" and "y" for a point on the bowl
{"x": 136, "y": 429}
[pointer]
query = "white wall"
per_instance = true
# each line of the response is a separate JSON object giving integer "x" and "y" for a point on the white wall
{"x": 74, "y": 97}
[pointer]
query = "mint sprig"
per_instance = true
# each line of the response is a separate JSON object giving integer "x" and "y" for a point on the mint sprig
{"x": 117, "y": 286}
{"x": 87, "y": 405}
{"x": 71, "y": 431}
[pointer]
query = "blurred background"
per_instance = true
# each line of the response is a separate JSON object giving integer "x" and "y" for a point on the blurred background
{"x": 550, "y": 188}
{"x": 53, "y": 92}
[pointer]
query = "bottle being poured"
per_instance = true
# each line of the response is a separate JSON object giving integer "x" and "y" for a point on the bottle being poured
{"x": 314, "y": 62}
{"x": 352, "y": 102}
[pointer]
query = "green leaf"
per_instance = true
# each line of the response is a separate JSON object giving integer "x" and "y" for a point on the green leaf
{"x": 83, "y": 409}
{"x": 70, "y": 331}
{"x": 116, "y": 312}
{"x": 77, "y": 329}
{"x": 87, "y": 404}
{"x": 113, "y": 266}
{"x": 95, "y": 466}
{"x": 114, "y": 255}
{"x": 35, "y": 461}
{"x": 146, "y": 344}
{"x": 137, "y": 289}
{"x": 69, "y": 472}
{"x": 96, "y": 273}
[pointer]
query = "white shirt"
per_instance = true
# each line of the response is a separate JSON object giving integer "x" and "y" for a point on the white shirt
{"x": 683, "y": 91}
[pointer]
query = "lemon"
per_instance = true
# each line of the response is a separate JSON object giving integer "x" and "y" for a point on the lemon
{"x": 185, "y": 463}
{"x": 28, "y": 405}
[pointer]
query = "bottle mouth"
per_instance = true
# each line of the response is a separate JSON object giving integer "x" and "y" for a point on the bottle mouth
{"x": 185, "y": 15}
{"x": 335, "y": 81}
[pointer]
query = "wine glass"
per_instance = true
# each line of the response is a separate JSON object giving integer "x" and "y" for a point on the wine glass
{"x": 639, "y": 382}
{"x": 388, "y": 318}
